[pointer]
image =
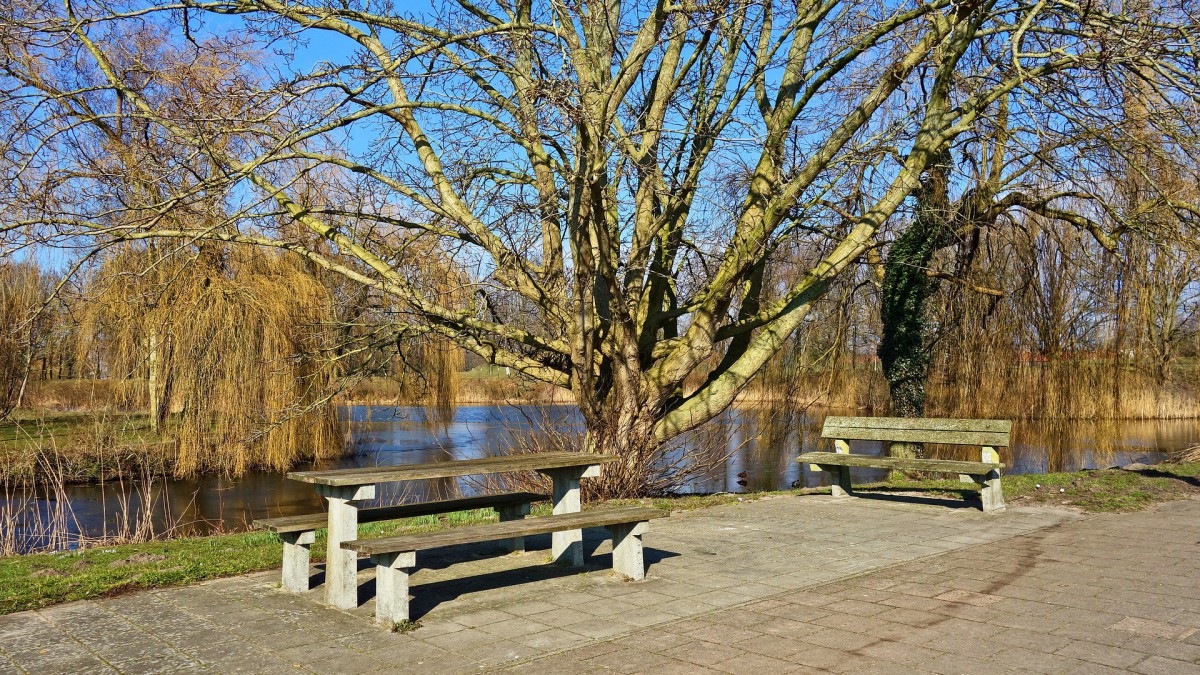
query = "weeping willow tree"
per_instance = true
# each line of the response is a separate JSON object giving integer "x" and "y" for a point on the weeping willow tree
{"x": 427, "y": 366}
{"x": 23, "y": 326}
{"x": 237, "y": 340}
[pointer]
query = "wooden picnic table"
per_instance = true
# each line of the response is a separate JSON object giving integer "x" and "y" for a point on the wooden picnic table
{"x": 344, "y": 488}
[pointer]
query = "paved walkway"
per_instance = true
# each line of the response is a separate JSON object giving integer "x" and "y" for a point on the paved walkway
{"x": 790, "y": 584}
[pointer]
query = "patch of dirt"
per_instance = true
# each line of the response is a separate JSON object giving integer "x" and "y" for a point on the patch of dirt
{"x": 46, "y": 573}
{"x": 137, "y": 559}
{"x": 119, "y": 590}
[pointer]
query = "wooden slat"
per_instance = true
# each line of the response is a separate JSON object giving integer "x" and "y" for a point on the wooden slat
{"x": 470, "y": 534}
{"x": 902, "y": 463}
{"x": 450, "y": 468}
{"x": 314, "y": 521}
{"x": 950, "y": 431}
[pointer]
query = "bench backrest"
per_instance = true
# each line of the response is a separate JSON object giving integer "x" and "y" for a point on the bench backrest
{"x": 948, "y": 431}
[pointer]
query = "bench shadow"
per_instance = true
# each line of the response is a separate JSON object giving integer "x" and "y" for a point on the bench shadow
{"x": 970, "y": 498}
{"x": 427, "y": 596}
{"x": 1155, "y": 473}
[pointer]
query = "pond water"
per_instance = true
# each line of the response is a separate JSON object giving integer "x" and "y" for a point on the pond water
{"x": 750, "y": 449}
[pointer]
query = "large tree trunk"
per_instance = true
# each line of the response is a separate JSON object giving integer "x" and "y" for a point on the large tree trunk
{"x": 904, "y": 348}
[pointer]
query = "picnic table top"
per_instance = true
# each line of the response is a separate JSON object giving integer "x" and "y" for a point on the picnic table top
{"x": 450, "y": 468}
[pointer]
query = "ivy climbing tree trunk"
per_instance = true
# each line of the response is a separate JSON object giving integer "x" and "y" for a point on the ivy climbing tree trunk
{"x": 904, "y": 348}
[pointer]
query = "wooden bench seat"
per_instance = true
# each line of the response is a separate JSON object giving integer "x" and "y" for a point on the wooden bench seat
{"x": 988, "y": 434}
{"x": 900, "y": 463}
{"x": 299, "y": 532}
{"x": 395, "y": 557}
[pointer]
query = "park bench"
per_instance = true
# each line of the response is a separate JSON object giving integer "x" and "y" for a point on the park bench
{"x": 395, "y": 557}
{"x": 299, "y": 532}
{"x": 988, "y": 434}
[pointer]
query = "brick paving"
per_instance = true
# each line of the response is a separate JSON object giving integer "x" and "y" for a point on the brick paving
{"x": 789, "y": 584}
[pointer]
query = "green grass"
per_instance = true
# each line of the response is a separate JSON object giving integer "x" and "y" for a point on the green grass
{"x": 39, "y": 580}
{"x": 484, "y": 372}
{"x": 1107, "y": 490}
{"x": 33, "y": 581}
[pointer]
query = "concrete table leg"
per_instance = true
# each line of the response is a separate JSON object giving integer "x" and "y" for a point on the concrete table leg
{"x": 341, "y": 565}
{"x": 567, "y": 547}
{"x": 840, "y": 475}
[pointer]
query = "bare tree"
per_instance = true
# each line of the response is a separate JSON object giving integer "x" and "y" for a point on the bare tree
{"x": 625, "y": 170}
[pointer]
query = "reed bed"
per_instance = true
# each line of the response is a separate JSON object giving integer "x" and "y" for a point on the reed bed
{"x": 469, "y": 391}
{"x": 1064, "y": 390}
{"x": 37, "y": 514}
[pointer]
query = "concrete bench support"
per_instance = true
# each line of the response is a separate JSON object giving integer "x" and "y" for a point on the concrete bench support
{"x": 840, "y": 474}
{"x": 627, "y": 549}
{"x": 297, "y": 552}
{"x": 298, "y": 532}
{"x": 391, "y": 586}
{"x": 990, "y": 491}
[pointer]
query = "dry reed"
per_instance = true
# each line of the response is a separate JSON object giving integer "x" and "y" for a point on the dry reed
{"x": 37, "y": 513}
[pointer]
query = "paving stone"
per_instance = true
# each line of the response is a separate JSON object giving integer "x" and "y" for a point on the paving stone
{"x": 1031, "y": 661}
{"x": 839, "y": 639}
{"x": 155, "y": 665}
{"x": 1152, "y": 628}
{"x": 754, "y": 663}
{"x": 75, "y": 663}
{"x": 900, "y": 653}
{"x": 600, "y": 628}
{"x": 513, "y": 628}
{"x": 958, "y": 664}
{"x": 1041, "y": 642}
{"x": 1105, "y": 655}
{"x": 1086, "y": 668}
{"x": 553, "y": 639}
{"x": 723, "y": 635}
{"x": 1157, "y": 665}
{"x": 821, "y": 658}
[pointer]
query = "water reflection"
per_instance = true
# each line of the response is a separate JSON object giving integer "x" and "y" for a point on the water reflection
{"x": 748, "y": 449}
